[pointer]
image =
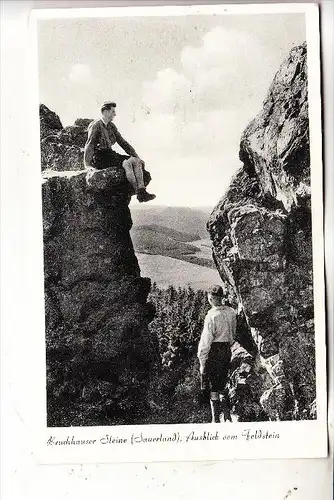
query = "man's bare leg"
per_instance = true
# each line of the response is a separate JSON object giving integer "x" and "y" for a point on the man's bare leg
{"x": 138, "y": 172}
{"x": 134, "y": 173}
{"x": 215, "y": 407}
{"x": 130, "y": 175}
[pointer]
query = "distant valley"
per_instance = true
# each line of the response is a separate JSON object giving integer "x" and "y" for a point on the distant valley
{"x": 183, "y": 219}
{"x": 165, "y": 271}
{"x": 159, "y": 240}
{"x": 173, "y": 247}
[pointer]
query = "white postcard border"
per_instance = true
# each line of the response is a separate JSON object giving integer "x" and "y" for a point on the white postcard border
{"x": 298, "y": 439}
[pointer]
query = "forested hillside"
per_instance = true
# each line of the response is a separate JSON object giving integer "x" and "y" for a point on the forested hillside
{"x": 178, "y": 324}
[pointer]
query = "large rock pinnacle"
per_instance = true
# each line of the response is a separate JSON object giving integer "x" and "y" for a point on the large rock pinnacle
{"x": 262, "y": 242}
{"x": 100, "y": 353}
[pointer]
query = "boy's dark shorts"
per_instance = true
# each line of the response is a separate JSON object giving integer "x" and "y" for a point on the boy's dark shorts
{"x": 217, "y": 365}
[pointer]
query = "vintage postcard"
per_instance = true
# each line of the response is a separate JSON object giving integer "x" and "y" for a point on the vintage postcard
{"x": 180, "y": 155}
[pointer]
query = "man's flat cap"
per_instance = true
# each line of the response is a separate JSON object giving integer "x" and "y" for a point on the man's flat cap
{"x": 108, "y": 105}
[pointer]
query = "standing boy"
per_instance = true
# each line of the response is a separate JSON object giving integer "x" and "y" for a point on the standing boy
{"x": 99, "y": 153}
{"x": 214, "y": 351}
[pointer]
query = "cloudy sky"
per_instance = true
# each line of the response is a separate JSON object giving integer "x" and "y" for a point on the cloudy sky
{"x": 185, "y": 87}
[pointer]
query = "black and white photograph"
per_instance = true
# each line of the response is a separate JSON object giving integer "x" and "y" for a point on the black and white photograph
{"x": 166, "y": 249}
{"x": 178, "y": 218}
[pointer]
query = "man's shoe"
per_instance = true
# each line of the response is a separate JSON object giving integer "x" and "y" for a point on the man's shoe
{"x": 144, "y": 196}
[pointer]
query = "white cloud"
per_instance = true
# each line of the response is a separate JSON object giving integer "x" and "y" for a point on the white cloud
{"x": 221, "y": 47}
{"x": 190, "y": 123}
{"x": 229, "y": 68}
{"x": 191, "y": 161}
{"x": 80, "y": 74}
{"x": 166, "y": 92}
{"x": 186, "y": 120}
{"x": 191, "y": 180}
{"x": 191, "y": 120}
{"x": 80, "y": 86}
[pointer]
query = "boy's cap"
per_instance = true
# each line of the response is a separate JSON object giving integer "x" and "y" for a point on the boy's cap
{"x": 217, "y": 291}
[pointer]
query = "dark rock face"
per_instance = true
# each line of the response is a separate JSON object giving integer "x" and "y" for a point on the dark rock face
{"x": 275, "y": 146}
{"x": 100, "y": 353}
{"x": 56, "y": 155}
{"x": 61, "y": 147}
{"x": 49, "y": 122}
{"x": 262, "y": 243}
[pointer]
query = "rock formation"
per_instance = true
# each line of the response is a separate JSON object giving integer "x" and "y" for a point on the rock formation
{"x": 262, "y": 245}
{"x": 49, "y": 122}
{"x": 100, "y": 353}
{"x": 61, "y": 147}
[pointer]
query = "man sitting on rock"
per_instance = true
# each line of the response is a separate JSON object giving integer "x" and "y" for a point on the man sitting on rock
{"x": 214, "y": 351}
{"x": 99, "y": 153}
